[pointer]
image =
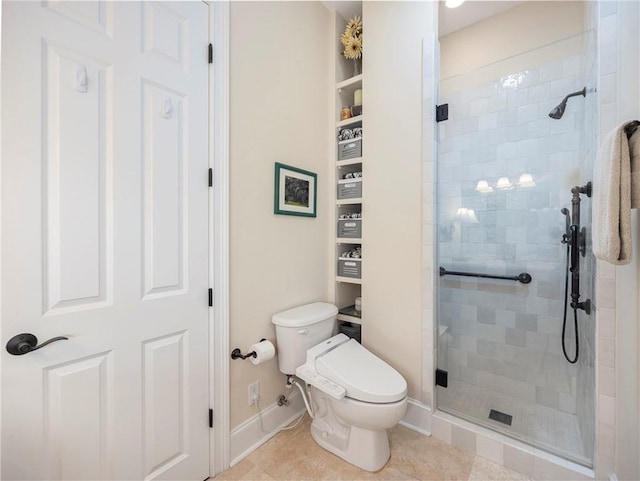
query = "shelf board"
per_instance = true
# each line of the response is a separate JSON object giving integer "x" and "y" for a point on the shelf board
{"x": 349, "y": 82}
{"x": 350, "y": 311}
{"x": 356, "y": 200}
{"x": 344, "y": 317}
{"x": 348, "y": 280}
{"x": 349, "y": 121}
{"x": 344, "y": 163}
{"x": 348, "y": 240}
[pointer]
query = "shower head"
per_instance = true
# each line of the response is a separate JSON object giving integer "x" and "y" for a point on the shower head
{"x": 558, "y": 111}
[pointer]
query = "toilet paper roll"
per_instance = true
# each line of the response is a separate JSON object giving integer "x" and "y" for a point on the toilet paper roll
{"x": 264, "y": 350}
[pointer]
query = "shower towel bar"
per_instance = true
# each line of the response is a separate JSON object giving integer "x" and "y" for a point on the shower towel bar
{"x": 524, "y": 277}
{"x": 631, "y": 127}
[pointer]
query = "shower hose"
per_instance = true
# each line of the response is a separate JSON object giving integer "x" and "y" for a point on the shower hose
{"x": 575, "y": 315}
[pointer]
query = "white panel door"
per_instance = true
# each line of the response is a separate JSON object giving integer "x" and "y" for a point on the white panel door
{"x": 105, "y": 240}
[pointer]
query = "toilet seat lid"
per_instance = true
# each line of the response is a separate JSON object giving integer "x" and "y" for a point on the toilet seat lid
{"x": 365, "y": 376}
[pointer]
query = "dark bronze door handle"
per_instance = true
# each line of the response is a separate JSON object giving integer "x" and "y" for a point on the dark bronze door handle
{"x": 24, "y": 343}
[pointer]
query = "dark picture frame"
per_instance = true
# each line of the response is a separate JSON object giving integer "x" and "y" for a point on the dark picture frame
{"x": 295, "y": 191}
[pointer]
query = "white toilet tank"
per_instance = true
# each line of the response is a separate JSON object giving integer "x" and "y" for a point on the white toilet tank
{"x": 301, "y": 328}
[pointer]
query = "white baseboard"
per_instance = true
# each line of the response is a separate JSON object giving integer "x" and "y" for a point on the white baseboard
{"x": 417, "y": 417}
{"x": 249, "y": 436}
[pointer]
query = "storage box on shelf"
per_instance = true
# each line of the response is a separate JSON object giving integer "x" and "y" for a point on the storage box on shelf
{"x": 350, "y": 268}
{"x": 349, "y": 142}
{"x": 349, "y": 188}
{"x": 349, "y": 149}
{"x": 350, "y": 262}
{"x": 349, "y": 228}
{"x": 349, "y": 224}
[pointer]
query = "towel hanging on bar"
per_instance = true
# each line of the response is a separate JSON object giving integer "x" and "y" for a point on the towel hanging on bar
{"x": 616, "y": 189}
{"x": 633, "y": 136}
{"x": 631, "y": 127}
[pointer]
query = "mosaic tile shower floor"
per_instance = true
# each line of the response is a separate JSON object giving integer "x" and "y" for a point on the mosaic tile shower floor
{"x": 294, "y": 455}
{"x": 551, "y": 428}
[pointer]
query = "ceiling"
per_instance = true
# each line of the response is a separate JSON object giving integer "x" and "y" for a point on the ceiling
{"x": 470, "y": 12}
{"x": 346, "y": 10}
{"x": 451, "y": 19}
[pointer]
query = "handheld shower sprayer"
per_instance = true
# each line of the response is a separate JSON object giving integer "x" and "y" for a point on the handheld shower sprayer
{"x": 567, "y": 233}
{"x": 558, "y": 110}
{"x": 574, "y": 237}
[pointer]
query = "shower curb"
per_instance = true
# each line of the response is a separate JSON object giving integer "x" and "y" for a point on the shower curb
{"x": 535, "y": 463}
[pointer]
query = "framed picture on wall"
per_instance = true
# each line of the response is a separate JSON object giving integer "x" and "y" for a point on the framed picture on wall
{"x": 295, "y": 191}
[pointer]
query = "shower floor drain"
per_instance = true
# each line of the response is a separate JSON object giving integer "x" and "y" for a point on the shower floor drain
{"x": 501, "y": 417}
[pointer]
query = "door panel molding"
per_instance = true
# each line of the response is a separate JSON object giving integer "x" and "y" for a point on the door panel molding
{"x": 96, "y": 16}
{"x": 165, "y": 173}
{"x": 89, "y": 381}
{"x": 165, "y": 402}
{"x": 78, "y": 255}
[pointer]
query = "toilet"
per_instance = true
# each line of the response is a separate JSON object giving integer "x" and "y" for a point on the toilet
{"x": 355, "y": 396}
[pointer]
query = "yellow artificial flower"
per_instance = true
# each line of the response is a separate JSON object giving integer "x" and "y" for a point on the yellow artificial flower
{"x": 354, "y": 27}
{"x": 345, "y": 37}
{"x": 353, "y": 49}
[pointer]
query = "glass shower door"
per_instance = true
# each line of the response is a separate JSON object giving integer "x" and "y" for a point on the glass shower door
{"x": 505, "y": 171}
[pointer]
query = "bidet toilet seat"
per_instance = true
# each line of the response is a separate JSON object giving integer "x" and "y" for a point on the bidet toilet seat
{"x": 363, "y": 375}
{"x": 341, "y": 366}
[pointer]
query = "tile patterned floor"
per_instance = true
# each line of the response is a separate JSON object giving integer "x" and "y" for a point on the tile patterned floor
{"x": 293, "y": 455}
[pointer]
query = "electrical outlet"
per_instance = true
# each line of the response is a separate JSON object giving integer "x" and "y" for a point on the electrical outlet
{"x": 254, "y": 392}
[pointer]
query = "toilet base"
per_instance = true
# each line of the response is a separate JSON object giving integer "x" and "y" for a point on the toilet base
{"x": 364, "y": 448}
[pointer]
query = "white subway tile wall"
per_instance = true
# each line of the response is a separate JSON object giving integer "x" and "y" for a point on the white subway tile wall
{"x": 605, "y": 16}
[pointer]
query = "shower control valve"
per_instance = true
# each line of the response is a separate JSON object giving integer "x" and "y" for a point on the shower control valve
{"x": 585, "y": 306}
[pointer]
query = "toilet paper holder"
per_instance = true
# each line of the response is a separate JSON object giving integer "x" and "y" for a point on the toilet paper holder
{"x": 237, "y": 353}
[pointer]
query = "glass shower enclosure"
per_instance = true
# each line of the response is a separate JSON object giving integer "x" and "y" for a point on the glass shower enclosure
{"x": 505, "y": 169}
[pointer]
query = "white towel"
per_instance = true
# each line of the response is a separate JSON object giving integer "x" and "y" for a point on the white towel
{"x": 612, "y": 199}
{"x": 634, "y": 154}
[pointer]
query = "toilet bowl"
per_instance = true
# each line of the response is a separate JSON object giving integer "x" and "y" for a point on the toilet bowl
{"x": 355, "y": 396}
{"x": 354, "y": 430}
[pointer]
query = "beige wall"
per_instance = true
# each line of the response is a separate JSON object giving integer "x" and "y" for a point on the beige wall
{"x": 501, "y": 35}
{"x": 279, "y": 111}
{"x": 392, "y": 189}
